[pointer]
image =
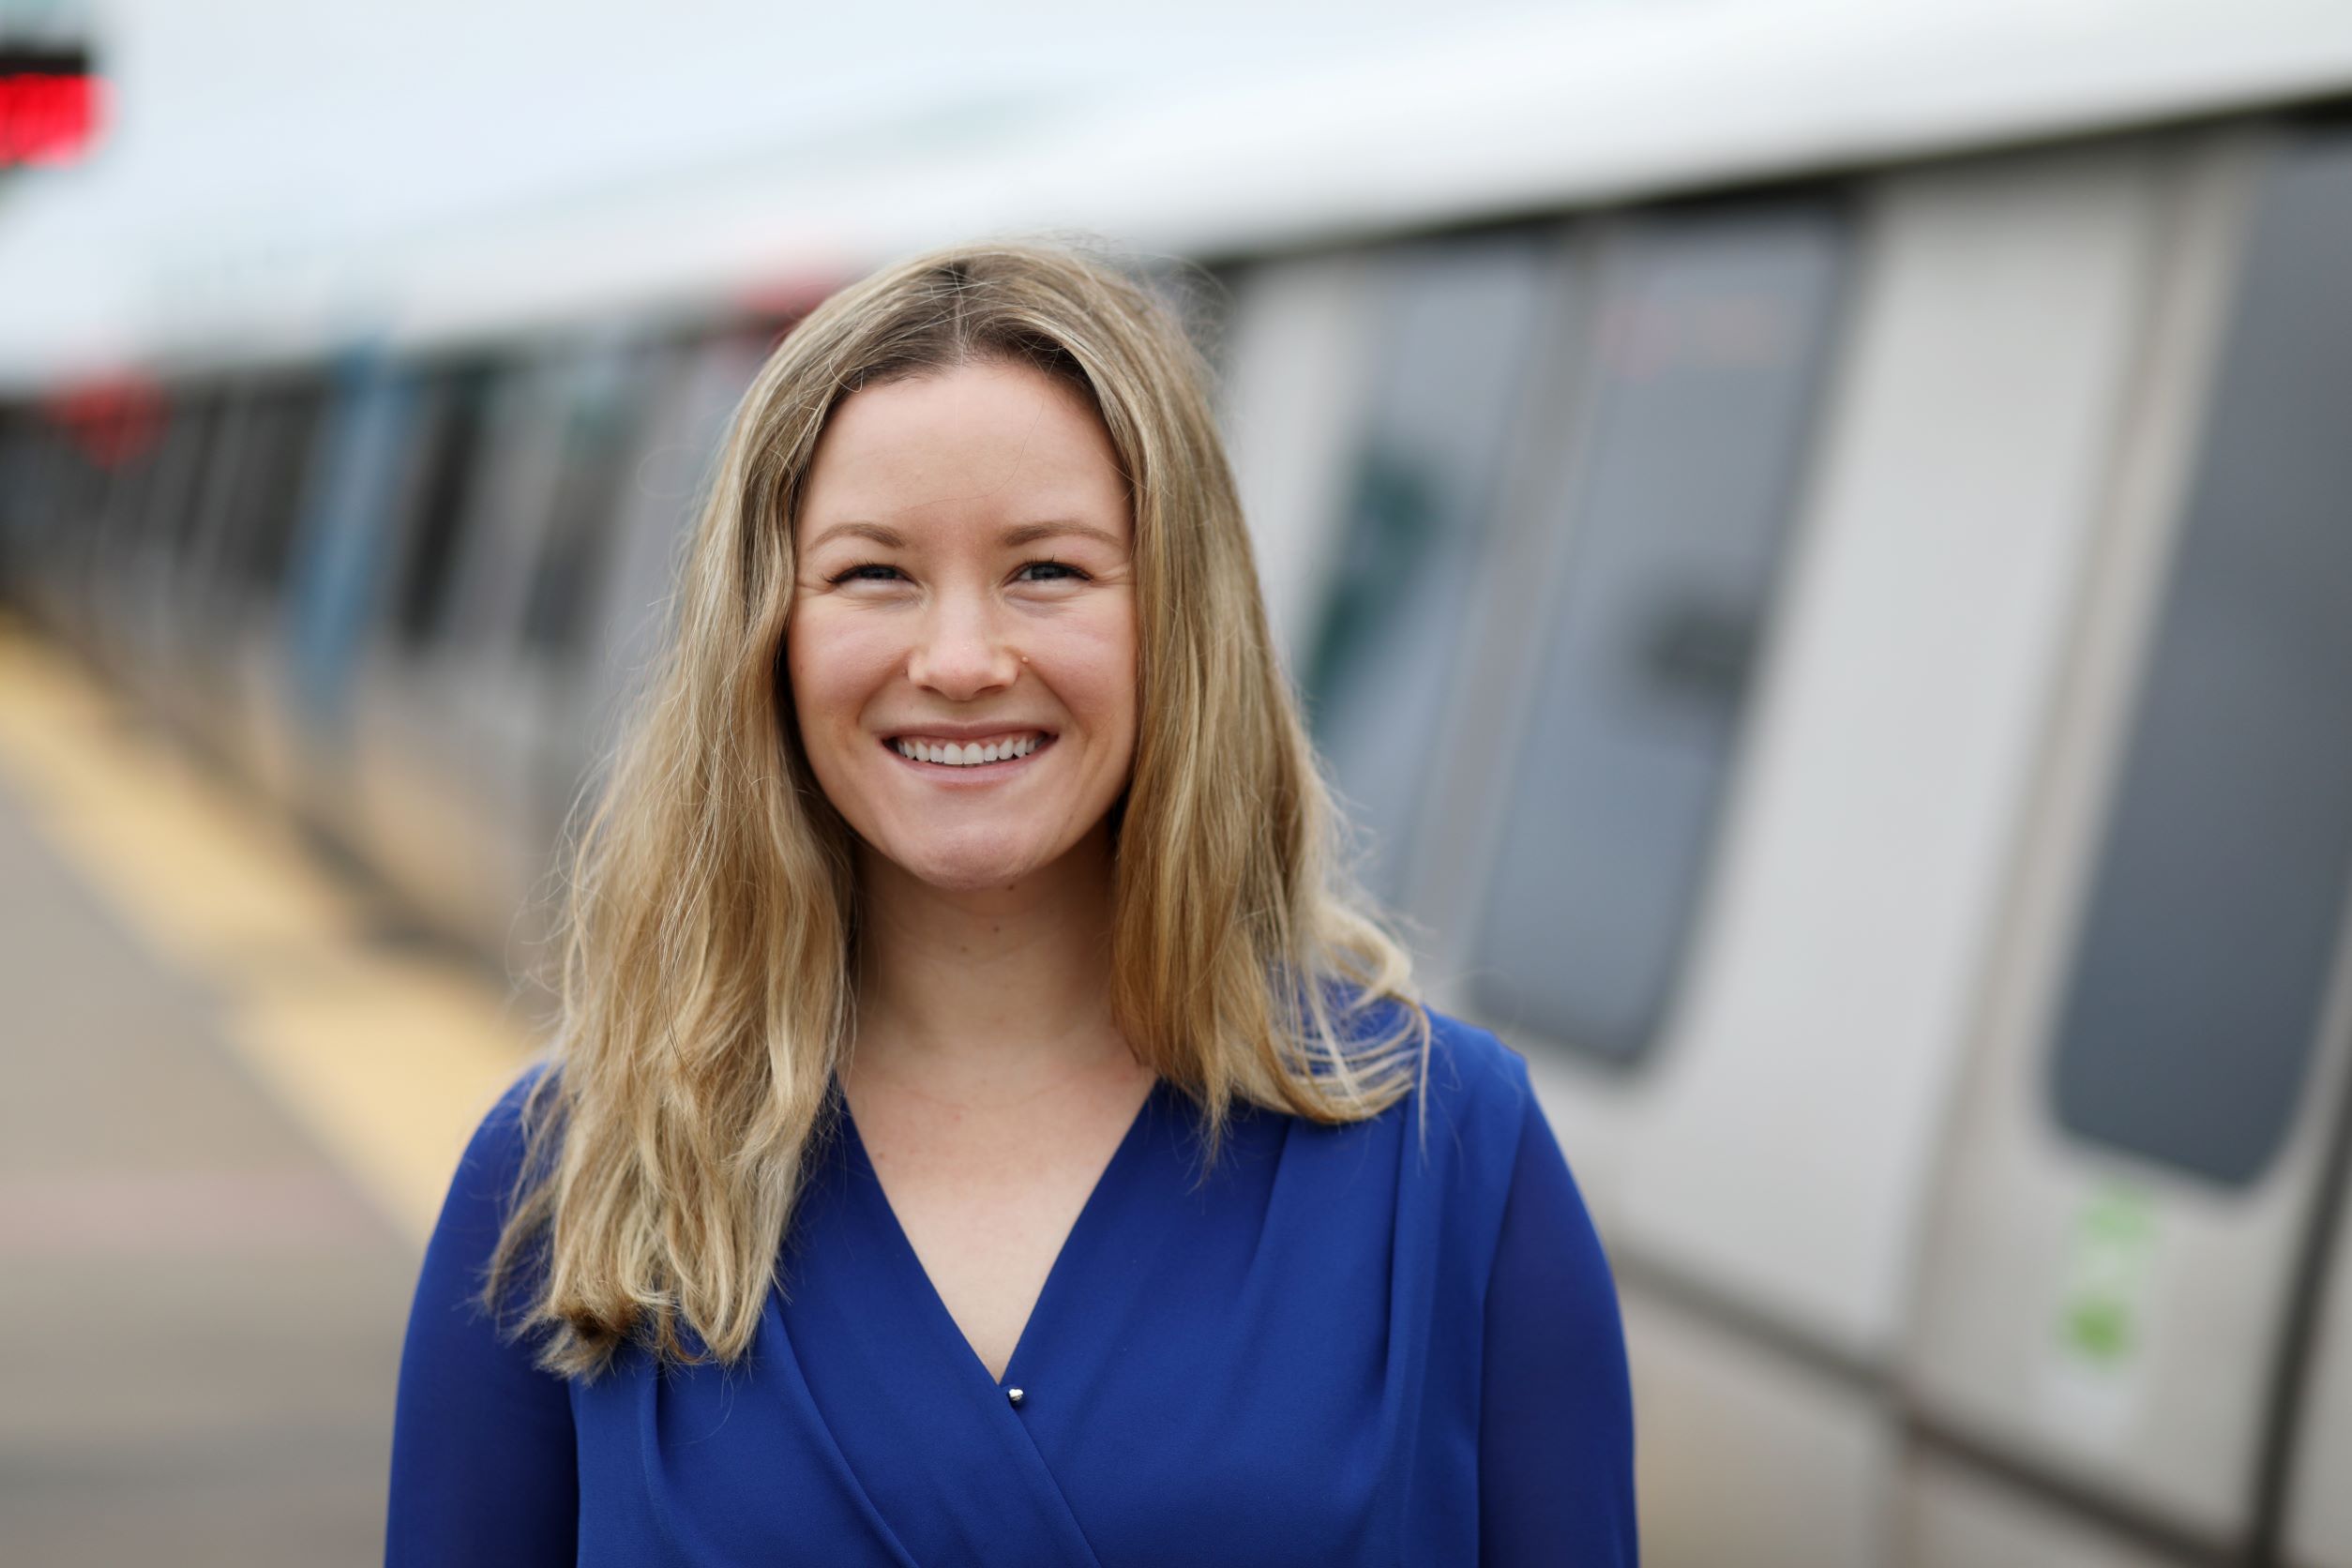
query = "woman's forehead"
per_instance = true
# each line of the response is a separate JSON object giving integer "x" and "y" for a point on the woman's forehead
{"x": 992, "y": 445}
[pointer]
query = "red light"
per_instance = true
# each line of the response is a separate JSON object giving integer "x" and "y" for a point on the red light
{"x": 47, "y": 119}
{"x": 114, "y": 420}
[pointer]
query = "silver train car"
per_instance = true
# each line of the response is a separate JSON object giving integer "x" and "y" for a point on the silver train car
{"x": 1833, "y": 606}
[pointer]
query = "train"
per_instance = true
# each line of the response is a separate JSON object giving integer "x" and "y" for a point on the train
{"x": 1817, "y": 543}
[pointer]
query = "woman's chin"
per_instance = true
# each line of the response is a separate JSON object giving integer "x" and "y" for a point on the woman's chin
{"x": 972, "y": 867}
{"x": 1000, "y": 862}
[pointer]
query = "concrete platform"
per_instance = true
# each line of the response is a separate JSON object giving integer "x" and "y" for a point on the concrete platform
{"x": 211, "y": 1208}
{"x": 206, "y": 1312}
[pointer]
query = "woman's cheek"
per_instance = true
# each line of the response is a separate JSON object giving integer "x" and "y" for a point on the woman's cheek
{"x": 837, "y": 663}
{"x": 1103, "y": 642}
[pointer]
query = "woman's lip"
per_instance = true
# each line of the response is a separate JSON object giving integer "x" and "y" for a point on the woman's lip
{"x": 948, "y": 772}
{"x": 960, "y": 733}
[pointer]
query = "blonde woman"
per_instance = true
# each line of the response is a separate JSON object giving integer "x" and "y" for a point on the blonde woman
{"x": 983, "y": 1129}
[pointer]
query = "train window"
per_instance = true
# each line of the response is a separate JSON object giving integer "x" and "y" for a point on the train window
{"x": 187, "y": 517}
{"x": 286, "y": 424}
{"x": 1709, "y": 355}
{"x": 2217, "y": 904}
{"x": 169, "y": 509}
{"x": 212, "y": 516}
{"x": 53, "y": 481}
{"x": 1460, "y": 324}
{"x": 256, "y": 452}
{"x": 134, "y": 482}
{"x": 15, "y": 450}
{"x": 599, "y": 398}
{"x": 215, "y": 516}
{"x": 444, "y": 464}
{"x": 18, "y": 462}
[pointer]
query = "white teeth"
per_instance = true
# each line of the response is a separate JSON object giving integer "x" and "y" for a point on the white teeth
{"x": 956, "y": 755}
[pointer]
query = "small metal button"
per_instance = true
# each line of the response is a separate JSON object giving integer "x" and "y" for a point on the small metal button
{"x": 1015, "y": 1396}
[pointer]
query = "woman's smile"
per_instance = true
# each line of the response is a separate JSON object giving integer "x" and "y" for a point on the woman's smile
{"x": 996, "y": 758}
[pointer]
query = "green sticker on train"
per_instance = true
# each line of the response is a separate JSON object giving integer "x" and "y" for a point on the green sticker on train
{"x": 2106, "y": 1278}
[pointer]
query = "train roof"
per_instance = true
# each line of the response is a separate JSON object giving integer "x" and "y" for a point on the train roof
{"x": 1502, "y": 117}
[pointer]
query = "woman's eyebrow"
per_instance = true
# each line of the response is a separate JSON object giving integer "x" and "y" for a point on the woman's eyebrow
{"x": 887, "y": 538}
{"x": 1029, "y": 532}
{"x": 1013, "y": 538}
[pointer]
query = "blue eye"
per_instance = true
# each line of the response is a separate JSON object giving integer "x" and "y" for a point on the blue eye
{"x": 857, "y": 573}
{"x": 1061, "y": 570}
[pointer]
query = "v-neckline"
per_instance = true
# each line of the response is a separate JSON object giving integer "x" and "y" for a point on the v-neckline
{"x": 912, "y": 1260}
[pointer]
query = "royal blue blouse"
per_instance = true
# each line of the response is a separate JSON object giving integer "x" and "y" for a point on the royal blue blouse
{"x": 1335, "y": 1350}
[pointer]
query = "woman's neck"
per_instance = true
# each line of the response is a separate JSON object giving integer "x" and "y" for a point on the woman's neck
{"x": 989, "y": 995}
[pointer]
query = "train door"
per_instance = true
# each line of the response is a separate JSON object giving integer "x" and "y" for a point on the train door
{"x": 1756, "y": 722}
{"x": 2105, "y": 1296}
{"x": 137, "y": 459}
{"x": 283, "y": 465}
{"x": 1458, "y": 338}
{"x": 2318, "y": 1503}
{"x": 560, "y": 436}
{"x": 693, "y": 401}
{"x": 437, "y": 722}
{"x": 27, "y": 459}
{"x": 204, "y": 582}
{"x": 334, "y": 583}
{"x": 605, "y": 409}
{"x": 1291, "y": 399}
{"x": 417, "y": 814}
{"x": 144, "y": 584}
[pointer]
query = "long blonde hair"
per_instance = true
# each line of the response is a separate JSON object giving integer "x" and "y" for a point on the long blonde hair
{"x": 709, "y": 916}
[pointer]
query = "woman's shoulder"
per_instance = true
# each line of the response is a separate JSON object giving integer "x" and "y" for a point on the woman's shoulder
{"x": 1473, "y": 1072}
{"x": 500, "y": 1136}
{"x": 1471, "y": 1076}
{"x": 1470, "y": 1096}
{"x": 482, "y": 1189}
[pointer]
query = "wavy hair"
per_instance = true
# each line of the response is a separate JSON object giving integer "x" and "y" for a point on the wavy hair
{"x": 707, "y": 929}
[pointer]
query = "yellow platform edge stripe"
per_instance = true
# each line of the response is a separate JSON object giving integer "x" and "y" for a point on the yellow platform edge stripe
{"x": 387, "y": 1062}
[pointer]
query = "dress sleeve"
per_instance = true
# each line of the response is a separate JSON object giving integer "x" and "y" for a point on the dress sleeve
{"x": 1556, "y": 1432}
{"x": 484, "y": 1468}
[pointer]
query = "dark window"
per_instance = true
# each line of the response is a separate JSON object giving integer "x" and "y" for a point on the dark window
{"x": 19, "y": 464}
{"x": 1710, "y": 353}
{"x": 1460, "y": 326}
{"x": 55, "y": 485}
{"x": 187, "y": 516}
{"x": 133, "y": 484}
{"x": 2217, "y": 904}
{"x": 444, "y": 466}
{"x": 217, "y": 535}
{"x": 598, "y": 399}
{"x": 171, "y": 504}
{"x": 275, "y": 478}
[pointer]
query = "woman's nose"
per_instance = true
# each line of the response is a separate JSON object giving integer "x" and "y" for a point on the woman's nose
{"x": 960, "y": 652}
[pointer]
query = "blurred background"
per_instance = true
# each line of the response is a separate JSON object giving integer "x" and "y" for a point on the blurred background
{"x": 1815, "y": 536}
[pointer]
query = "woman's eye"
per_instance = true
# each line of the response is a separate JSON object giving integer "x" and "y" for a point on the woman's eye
{"x": 868, "y": 571}
{"x": 1056, "y": 571}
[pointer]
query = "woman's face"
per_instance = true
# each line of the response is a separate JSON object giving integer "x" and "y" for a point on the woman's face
{"x": 965, "y": 593}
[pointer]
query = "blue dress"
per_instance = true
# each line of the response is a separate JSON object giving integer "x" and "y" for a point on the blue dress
{"x": 1331, "y": 1352}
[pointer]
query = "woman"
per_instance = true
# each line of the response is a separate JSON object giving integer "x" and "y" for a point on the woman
{"x": 981, "y": 1130}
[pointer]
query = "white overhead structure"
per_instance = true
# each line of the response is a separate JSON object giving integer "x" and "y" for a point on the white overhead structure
{"x": 1514, "y": 114}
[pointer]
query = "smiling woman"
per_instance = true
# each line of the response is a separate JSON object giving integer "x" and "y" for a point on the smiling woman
{"x": 990, "y": 610}
{"x": 984, "y": 1127}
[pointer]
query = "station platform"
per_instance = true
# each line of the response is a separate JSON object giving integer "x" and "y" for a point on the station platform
{"x": 232, "y": 1107}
